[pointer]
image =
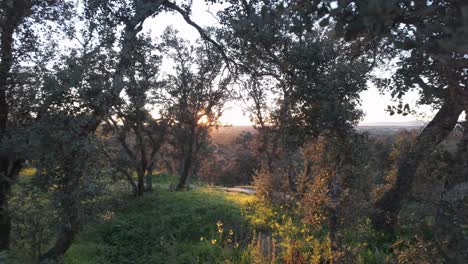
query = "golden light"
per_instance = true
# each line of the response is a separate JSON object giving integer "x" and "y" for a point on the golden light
{"x": 203, "y": 120}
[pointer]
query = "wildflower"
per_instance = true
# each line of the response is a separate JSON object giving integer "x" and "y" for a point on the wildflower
{"x": 202, "y": 238}
{"x": 213, "y": 241}
{"x": 236, "y": 245}
{"x": 231, "y": 232}
{"x": 220, "y": 227}
{"x": 108, "y": 215}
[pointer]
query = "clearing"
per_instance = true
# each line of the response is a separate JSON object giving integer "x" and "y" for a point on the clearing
{"x": 203, "y": 225}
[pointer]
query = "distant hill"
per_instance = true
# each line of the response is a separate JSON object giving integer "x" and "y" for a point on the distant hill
{"x": 413, "y": 123}
{"x": 389, "y": 128}
{"x": 385, "y": 130}
{"x": 225, "y": 135}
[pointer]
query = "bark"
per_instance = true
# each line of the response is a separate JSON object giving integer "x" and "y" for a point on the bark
{"x": 70, "y": 226}
{"x": 452, "y": 211}
{"x": 5, "y": 222}
{"x": 149, "y": 178}
{"x": 15, "y": 11}
{"x": 335, "y": 239}
{"x": 434, "y": 133}
{"x": 132, "y": 182}
{"x": 141, "y": 183}
{"x": 185, "y": 171}
{"x": 188, "y": 159}
{"x": 292, "y": 180}
{"x": 335, "y": 187}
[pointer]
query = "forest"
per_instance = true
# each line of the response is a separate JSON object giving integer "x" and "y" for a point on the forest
{"x": 113, "y": 148}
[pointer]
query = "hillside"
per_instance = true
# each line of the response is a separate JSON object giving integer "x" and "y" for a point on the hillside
{"x": 225, "y": 135}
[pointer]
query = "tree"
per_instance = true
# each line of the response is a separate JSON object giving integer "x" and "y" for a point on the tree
{"x": 429, "y": 40}
{"x": 18, "y": 44}
{"x": 299, "y": 62}
{"x": 315, "y": 80}
{"x": 102, "y": 89}
{"x": 197, "y": 92}
{"x": 139, "y": 134}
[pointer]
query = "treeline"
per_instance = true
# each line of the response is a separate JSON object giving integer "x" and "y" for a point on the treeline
{"x": 84, "y": 100}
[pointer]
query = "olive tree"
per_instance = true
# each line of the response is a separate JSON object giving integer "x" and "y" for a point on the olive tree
{"x": 197, "y": 92}
{"x": 23, "y": 57}
{"x": 314, "y": 78}
{"x": 139, "y": 134}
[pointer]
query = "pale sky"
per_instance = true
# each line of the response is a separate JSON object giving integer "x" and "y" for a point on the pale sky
{"x": 373, "y": 103}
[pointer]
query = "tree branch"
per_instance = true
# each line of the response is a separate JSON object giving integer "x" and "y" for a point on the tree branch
{"x": 200, "y": 30}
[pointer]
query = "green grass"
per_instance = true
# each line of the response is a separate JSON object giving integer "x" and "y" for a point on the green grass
{"x": 167, "y": 227}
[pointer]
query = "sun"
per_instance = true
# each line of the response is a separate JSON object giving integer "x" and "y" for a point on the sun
{"x": 203, "y": 120}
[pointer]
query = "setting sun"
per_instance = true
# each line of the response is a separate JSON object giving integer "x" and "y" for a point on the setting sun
{"x": 203, "y": 120}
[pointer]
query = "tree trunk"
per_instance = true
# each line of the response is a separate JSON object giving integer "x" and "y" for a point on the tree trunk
{"x": 292, "y": 180}
{"x": 452, "y": 211}
{"x": 14, "y": 12}
{"x": 149, "y": 179}
{"x": 436, "y": 131}
{"x": 188, "y": 159}
{"x": 335, "y": 239}
{"x": 335, "y": 189}
{"x": 185, "y": 171}
{"x": 71, "y": 205}
{"x": 5, "y": 221}
{"x": 141, "y": 183}
{"x": 132, "y": 183}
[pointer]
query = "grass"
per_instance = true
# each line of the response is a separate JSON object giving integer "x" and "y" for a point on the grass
{"x": 203, "y": 225}
{"x": 28, "y": 172}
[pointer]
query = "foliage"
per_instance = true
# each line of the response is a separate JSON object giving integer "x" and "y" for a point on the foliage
{"x": 131, "y": 126}
{"x": 195, "y": 97}
{"x": 231, "y": 163}
{"x": 66, "y": 68}
{"x": 32, "y": 221}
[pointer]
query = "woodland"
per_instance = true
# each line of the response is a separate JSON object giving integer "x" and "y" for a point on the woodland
{"x": 110, "y": 149}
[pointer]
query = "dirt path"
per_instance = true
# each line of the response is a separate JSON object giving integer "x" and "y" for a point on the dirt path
{"x": 239, "y": 189}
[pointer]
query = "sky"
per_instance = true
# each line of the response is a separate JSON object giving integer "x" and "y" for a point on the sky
{"x": 373, "y": 103}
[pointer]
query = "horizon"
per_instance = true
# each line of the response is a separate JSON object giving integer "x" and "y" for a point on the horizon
{"x": 413, "y": 123}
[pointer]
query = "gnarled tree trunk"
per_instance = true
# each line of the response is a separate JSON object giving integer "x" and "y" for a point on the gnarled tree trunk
{"x": 452, "y": 211}
{"x": 434, "y": 133}
{"x": 188, "y": 159}
{"x": 70, "y": 213}
{"x": 185, "y": 170}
